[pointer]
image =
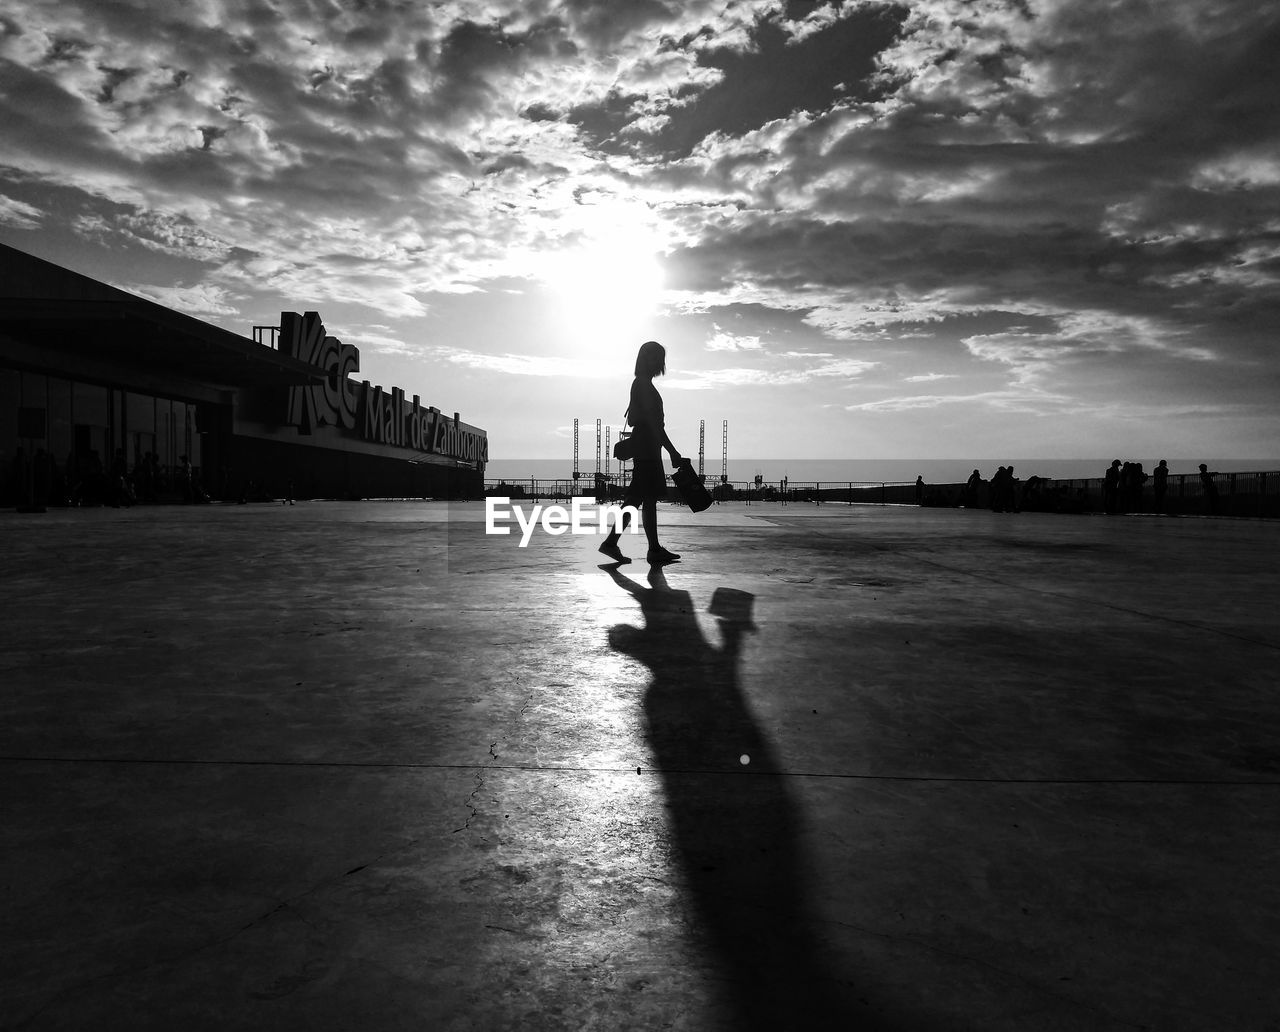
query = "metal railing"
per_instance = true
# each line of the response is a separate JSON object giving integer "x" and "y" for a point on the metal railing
{"x": 1253, "y": 493}
{"x": 875, "y": 492}
{"x": 1233, "y": 494}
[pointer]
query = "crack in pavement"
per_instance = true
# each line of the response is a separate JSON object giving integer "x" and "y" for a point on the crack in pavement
{"x": 491, "y": 764}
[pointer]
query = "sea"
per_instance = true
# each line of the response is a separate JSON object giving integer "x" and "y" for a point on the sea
{"x": 875, "y": 471}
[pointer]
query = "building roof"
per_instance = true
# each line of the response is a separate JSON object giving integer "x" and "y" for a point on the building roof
{"x": 47, "y": 307}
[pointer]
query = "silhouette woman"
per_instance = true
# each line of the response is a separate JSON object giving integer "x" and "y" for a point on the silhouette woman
{"x": 648, "y": 480}
{"x": 734, "y": 824}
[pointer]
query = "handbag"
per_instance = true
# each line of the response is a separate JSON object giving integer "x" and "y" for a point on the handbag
{"x": 692, "y": 491}
{"x": 625, "y": 449}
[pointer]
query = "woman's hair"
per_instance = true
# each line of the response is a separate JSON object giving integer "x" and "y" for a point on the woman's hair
{"x": 651, "y": 359}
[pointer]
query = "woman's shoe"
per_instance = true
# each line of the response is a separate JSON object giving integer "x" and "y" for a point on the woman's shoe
{"x": 662, "y": 555}
{"x": 611, "y": 549}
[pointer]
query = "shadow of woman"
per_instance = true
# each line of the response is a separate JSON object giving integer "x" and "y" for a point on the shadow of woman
{"x": 734, "y": 823}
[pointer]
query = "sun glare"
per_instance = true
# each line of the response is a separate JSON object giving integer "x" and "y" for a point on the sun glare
{"x": 606, "y": 293}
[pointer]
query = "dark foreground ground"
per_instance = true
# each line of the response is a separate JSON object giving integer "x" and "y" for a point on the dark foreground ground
{"x": 359, "y": 766}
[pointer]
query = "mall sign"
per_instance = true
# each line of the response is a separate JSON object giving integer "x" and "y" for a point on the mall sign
{"x": 386, "y": 417}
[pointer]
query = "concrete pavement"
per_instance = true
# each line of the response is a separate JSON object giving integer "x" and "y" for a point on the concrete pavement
{"x": 361, "y": 766}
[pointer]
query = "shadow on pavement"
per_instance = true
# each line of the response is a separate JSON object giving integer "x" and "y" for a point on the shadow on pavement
{"x": 733, "y": 820}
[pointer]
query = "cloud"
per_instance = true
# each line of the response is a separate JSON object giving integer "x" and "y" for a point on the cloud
{"x": 1065, "y": 194}
{"x": 1027, "y": 402}
{"x": 834, "y": 369}
{"x": 375, "y": 337}
{"x": 524, "y": 365}
{"x": 165, "y": 232}
{"x": 992, "y": 176}
{"x": 1083, "y": 335}
{"x": 196, "y": 299}
{"x": 775, "y": 68}
{"x": 721, "y": 340}
{"x": 994, "y": 144}
{"x": 18, "y": 214}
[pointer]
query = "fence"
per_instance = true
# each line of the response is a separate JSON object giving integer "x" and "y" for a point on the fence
{"x": 1237, "y": 494}
{"x": 732, "y": 491}
{"x": 1231, "y": 494}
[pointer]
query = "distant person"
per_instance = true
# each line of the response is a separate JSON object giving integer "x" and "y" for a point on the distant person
{"x": 920, "y": 489}
{"x": 95, "y": 479}
{"x": 201, "y": 497}
{"x": 1159, "y": 484}
{"x": 1137, "y": 478}
{"x": 1111, "y": 488}
{"x": 648, "y": 479}
{"x": 184, "y": 479}
{"x": 156, "y": 476}
{"x": 142, "y": 479}
{"x": 971, "y": 487}
{"x": 1002, "y": 490}
{"x": 121, "y": 491}
{"x": 1209, "y": 489}
{"x": 1131, "y": 480}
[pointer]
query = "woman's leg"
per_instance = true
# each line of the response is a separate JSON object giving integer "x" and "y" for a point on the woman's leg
{"x": 629, "y": 500}
{"x": 609, "y": 546}
{"x": 657, "y": 554}
{"x": 640, "y": 495}
{"x": 650, "y": 513}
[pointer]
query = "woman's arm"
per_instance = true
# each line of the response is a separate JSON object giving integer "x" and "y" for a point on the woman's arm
{"x": 676, "y": 458}
{"x": 646, "y": 410}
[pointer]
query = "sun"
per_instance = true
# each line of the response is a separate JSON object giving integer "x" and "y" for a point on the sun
{"x": 606, "y": 292}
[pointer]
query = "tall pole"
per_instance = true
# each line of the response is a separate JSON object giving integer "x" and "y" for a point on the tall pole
{"x": 607, "y": 450}
{"x": 702, "y": 448}
{"x": 724, "y": 452}
{"x": 575, "y": 448}
{"x": 597, "y": 447}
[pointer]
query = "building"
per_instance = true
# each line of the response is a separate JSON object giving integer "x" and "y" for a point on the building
{"x": 96, "y": 383}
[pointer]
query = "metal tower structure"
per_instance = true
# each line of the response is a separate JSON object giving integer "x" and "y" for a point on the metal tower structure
{"x": 702, "y": 447}
{"x": 608, "y": 431}
{"x": 597, "y": 447}
{"x": 724, "y": 452}
{"x": 575, "y": 448}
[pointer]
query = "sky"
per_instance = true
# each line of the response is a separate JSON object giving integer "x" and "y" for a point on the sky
{"x": 946, "y": 228}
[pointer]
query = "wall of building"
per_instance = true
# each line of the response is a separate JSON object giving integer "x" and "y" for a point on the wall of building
{"x": 231, "y": 458}
{"x": 85, "y": 424}
{"x": 254, "y": 469}
{"x": 99, "y": 387}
